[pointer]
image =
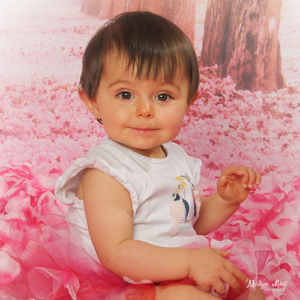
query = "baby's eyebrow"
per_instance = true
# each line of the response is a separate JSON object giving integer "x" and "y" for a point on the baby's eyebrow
{"x": 171, "y": 83}
{"x": 119, "y": 81}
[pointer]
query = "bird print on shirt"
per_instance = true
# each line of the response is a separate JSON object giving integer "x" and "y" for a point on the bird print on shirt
{"x": 185, "y": 205}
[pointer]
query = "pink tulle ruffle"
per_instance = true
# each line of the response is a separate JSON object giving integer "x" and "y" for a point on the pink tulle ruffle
{"x": 37, "y": 260}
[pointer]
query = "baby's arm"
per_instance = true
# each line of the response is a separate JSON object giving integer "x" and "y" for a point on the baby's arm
{"x": 233, "y": 188}
{"x": 109, "y": 214}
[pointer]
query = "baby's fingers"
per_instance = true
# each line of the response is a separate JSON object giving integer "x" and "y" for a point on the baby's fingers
{"x": 231, "y": 280}
{"x": 257, "y": 178}
{"x": 249, "y": 176}
{"x": 235, "y": 271}
{"x": 253, "y": 178}
{"x": 219, "y": 286}
{"x": 233, "y": 171}
{"x": 222, "y": 253}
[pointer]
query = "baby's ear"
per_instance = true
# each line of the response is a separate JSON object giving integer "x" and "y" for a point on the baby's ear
{"x": 194, "y": 99}
{"x": 91, "y": 104}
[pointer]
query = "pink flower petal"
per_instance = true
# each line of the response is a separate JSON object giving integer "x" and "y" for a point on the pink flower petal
{"x": 9, "y": 269}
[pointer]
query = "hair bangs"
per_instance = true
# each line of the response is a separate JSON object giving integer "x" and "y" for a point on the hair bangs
{"x": 153, "y": 65}
{"x": 147, "y": 57}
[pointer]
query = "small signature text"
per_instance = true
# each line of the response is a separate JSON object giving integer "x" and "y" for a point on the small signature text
{"x": 278, "y": 284}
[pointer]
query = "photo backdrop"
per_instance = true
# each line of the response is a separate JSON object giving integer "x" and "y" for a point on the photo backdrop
{"x": 44, "y": 126}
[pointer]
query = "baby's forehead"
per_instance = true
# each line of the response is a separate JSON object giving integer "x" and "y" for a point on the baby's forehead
{"x": 145, "y": 68}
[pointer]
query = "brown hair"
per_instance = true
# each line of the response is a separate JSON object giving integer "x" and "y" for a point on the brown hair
{"x": 151, "y": 44}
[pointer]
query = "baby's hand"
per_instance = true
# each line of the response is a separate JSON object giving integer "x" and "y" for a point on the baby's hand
{"x": 235, "y": 183}
{"x": 208, "y": 267}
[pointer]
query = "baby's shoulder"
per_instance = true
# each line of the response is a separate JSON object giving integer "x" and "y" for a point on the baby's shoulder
{"x": 171, "y": 146}
{"x": 103, "y": 149}
{"x": 179, "y": 151}
{"x": 110, "y": 152}
{"x": 105, "y": 158}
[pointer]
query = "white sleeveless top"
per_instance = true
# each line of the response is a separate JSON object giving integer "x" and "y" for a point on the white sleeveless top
{"x": 165, "y": 203}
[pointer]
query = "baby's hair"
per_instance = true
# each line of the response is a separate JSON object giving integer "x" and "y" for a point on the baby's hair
{"x": 151, "y": 44}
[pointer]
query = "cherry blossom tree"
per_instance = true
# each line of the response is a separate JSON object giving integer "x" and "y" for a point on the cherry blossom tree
{"x": 180, "y": 12}
{"x": 241, "y": 36}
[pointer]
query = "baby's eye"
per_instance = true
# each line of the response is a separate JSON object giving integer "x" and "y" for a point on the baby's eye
{"x": 163, "y": 97}
{"x": 125, "y": 95}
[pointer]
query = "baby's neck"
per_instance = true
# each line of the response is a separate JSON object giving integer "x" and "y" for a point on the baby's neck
{"x": 158, "y": 152}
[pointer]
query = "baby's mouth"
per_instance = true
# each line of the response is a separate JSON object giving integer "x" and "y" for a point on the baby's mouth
{"x": 143, "y": 129}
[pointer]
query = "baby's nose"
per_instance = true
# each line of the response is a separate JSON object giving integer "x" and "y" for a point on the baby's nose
{"x": 145, "y": 108}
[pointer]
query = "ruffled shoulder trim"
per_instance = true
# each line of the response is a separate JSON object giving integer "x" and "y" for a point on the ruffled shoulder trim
{"x": 195, "y": 163}
{"x": 67, "y": 184}
{"x": 197, "y": 169}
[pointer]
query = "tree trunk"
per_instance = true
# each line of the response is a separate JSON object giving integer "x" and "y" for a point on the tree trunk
{"x": 111, "y": 8}
{"x": 91, "y": 7}
{"x": 78, "y": 2}
{"x": 242, "y": 37}
{"x": 180, "y": 12}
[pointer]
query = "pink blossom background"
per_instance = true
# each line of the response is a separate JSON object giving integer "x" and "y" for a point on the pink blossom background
{"x": 44, "y": 126}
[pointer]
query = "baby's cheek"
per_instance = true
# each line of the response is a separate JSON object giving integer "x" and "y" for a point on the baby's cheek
{"x": 174, "y": 126}
{"x": 176, "y": 118}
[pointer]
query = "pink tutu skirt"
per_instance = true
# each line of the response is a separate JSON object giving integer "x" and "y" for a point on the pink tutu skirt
{"x": 37, "y": 260}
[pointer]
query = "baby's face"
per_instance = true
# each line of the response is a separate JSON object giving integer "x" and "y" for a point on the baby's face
{"x": 140, "y": 113}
